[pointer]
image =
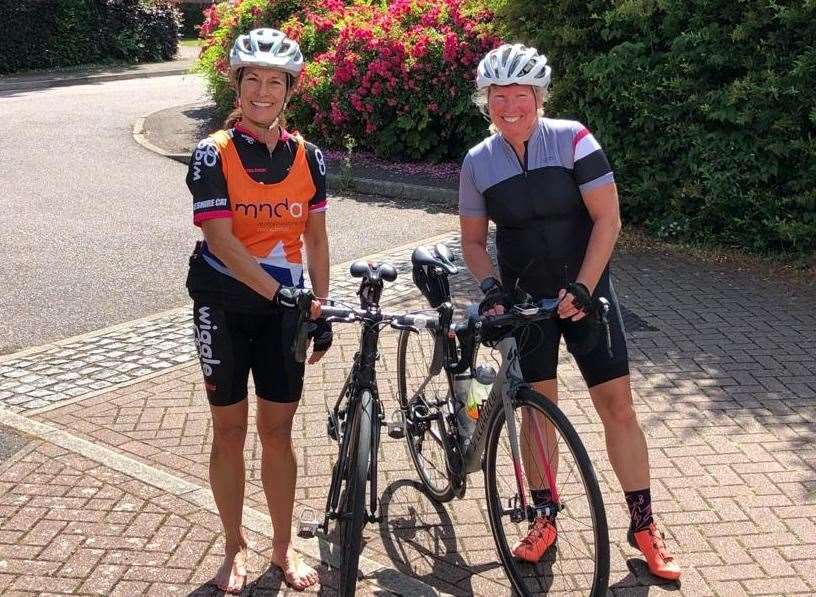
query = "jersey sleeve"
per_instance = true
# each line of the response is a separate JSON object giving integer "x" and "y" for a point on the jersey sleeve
{"x": 207, "y": 184}
{"x": 317, "y": 166}
{"x": 591, "y": 168}
{"x": 471, "y": 201}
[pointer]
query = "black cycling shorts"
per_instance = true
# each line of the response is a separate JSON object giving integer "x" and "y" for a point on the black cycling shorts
{"x": 538, "y": 346}
{"x": 231, "y": 344}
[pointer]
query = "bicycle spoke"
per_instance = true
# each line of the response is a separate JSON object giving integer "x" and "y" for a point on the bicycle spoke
{"x": 420, "y": 395}
{"x": 569, "y": 566}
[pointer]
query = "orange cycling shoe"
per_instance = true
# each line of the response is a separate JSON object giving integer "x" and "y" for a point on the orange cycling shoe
{"x": 540, "y": 537}
{"x": 650, "y": 543}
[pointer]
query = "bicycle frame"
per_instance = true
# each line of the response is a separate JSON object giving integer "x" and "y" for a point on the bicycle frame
{"x": 508, "y": 381}
{"x": 363, "y": 376}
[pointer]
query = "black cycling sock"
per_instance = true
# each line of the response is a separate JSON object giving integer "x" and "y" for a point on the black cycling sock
{"x": 640, "y": 508}
{"x": 541, "y": 497}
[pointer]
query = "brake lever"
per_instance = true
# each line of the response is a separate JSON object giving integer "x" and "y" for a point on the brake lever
{"x": 603, "y": 305}
{"x": 303, "y": 326}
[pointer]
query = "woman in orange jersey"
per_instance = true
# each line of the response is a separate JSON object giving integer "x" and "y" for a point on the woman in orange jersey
{"x": 259, "y": 196}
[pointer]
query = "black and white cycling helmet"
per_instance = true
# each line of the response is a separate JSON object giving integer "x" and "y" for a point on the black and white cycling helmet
{"x": 267, "y": 48}
{"x": 513, "y": 64}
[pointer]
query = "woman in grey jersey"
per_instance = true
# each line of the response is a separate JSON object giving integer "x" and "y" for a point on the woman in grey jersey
{"x": 548, "y": 187}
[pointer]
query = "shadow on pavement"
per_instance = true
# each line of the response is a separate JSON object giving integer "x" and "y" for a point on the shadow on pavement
{"x": 423, "y": 528}
{"x": 270, "y": 583}
{"x": 639, "y": 581}
{"x": 728, "y": 368}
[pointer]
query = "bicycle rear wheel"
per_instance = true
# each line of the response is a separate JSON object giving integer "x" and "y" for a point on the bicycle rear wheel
{"x": 352, "y": 508}
{"x": 426, "y": 439}
{"x": 554, "y": 459}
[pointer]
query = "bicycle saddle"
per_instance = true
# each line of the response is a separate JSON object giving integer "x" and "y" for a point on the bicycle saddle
{"x": 440, "y": 257}
{"x": 373, "y": 271}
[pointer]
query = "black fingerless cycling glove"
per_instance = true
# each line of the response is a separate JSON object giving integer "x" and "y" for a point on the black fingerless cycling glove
{"x": 287, "y": 296}
{"x": 582, "y": 298}
{"x": 321, "y": 334}
{"x": 495, "y": 296}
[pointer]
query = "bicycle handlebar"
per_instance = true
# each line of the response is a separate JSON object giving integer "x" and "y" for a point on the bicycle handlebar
{"x": 518, "y": 314}
{"x": 339, "y": 314}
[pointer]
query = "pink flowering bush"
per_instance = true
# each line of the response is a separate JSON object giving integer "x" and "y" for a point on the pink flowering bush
{"x": 395, "y": 76}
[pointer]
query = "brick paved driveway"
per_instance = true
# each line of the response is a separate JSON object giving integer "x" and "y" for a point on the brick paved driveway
{"x": 724, "y": 368}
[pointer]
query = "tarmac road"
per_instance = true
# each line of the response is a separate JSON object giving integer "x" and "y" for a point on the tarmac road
{"x": 96, "y": 229}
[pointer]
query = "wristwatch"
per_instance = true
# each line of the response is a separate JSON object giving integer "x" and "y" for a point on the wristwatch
{"x": 488, "y": 284}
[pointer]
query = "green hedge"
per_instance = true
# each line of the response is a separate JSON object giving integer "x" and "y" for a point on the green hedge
{"x": 54, "y": 33}
{"x": 192, "y": 16}
{"x": 706, "y": 108}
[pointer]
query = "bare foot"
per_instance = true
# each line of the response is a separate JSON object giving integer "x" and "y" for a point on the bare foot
{"x": 231, "y": 576}
{"x": 297, "y": 573}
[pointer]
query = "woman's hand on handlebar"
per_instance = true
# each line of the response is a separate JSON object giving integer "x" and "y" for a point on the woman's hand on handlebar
{"x": 288, "y": 296}
{"x": 322, "y": 337}
{"x": 568, "y": 306}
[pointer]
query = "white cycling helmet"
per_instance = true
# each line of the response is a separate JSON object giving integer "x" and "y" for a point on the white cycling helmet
{"x": 513, "y": 64}
{"x": 267, "y": 48}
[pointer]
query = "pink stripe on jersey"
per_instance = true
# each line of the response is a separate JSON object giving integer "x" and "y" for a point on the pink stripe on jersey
{"x": 586, "y": 145}
{"x": 319, "y": 206}
{"x": 579, "y": 135}
{"x": 211, "y": 215}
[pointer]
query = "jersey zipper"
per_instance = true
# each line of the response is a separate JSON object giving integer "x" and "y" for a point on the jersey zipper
{"x": 522, "y": 162}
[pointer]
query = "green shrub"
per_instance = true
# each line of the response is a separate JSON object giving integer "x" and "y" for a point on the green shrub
{"x": 54, "y": 33}
{"x": 192, "y": 16}
{"x": 706, "y": 108}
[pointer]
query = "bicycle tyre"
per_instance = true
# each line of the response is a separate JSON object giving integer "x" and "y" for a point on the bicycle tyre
{"x": 438, "y": 481}
{"x": 518, "y": 571}
{"x": 352, "y": 517}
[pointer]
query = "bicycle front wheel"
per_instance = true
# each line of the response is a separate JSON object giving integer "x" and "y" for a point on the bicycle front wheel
{"x": 421, "y": 395}
{"x": 555, "y": 464}
{"x": 352, "y": 510}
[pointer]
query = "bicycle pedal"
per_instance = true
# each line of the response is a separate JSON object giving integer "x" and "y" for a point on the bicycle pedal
{"x": 308, "y": 524}
{"x": 396, "y": 427}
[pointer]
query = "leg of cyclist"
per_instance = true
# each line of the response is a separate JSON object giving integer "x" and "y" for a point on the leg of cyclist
{"x": 538, "y": 427}
{"x": 628, "y": 454}
{"x": 223, "y": 348}
{"x": 279, "y": 474}
{"x": 227, "y": 482}
{"x": 607, "y": 377}
{"x": 279, "y": 385}
{"x": 537, "y": 434}
{"x": 538, "y": 351}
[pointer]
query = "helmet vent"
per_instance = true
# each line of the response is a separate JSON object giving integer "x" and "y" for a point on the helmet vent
{"x": 513, "y": 64}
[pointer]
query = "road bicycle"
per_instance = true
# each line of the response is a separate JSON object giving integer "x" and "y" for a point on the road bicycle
{"x": 357, "y": 417}
{"x": 521, "y": 440}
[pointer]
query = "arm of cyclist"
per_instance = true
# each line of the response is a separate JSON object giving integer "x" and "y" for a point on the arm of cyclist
{"x": 603, "y": 206}
{"x": 316, "y": 243}
{"x": 474, "y": 250}
{"x": 224, "y": 244}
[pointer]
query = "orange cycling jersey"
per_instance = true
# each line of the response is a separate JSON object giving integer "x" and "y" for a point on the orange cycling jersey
{"x": 269, "y": 218}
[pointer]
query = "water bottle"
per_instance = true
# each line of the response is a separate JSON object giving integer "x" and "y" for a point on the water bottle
{"x": 461, "y": 386}
{"x": 479, "y": 390}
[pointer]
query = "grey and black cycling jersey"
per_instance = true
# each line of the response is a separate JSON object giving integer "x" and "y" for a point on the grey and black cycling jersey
{"x": 542, "y": 224}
